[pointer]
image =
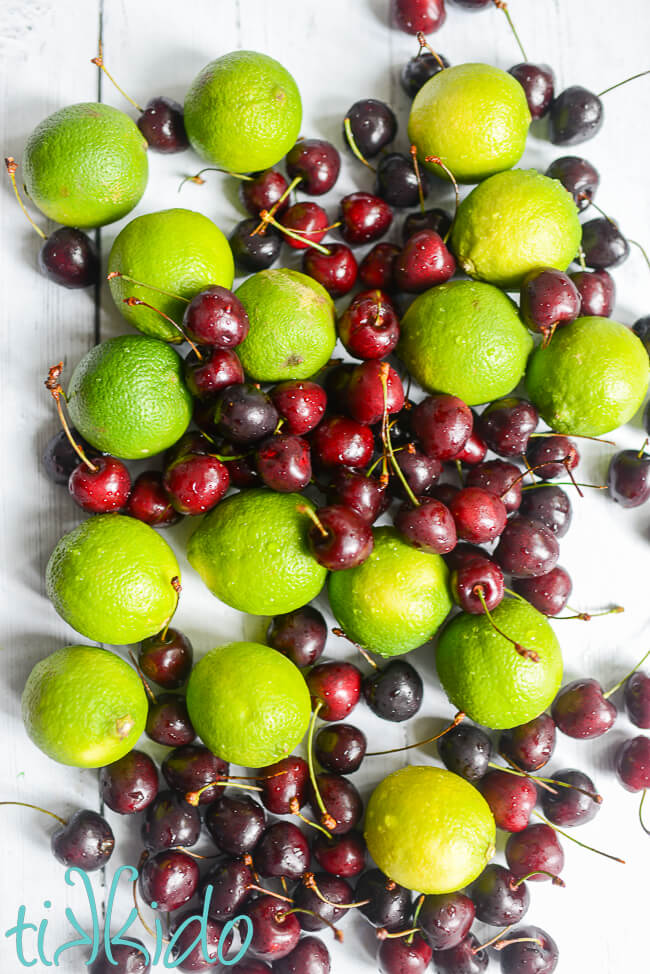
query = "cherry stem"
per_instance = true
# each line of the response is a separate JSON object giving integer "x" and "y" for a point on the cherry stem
{"x": 313, "y": 517}
{"x": 502, "y": 944}
{"x": 494, "y": 939}
{"x": 581, "y": 258}
{"x": 356, "y": 151}
{"x": 394, "y": 750}
{"x": 269, "y": 892}
{"x": 572, "y": 838}
{"x": 416, "y": 168}
{"x": 194, "y": 855}
{"x": 262, "y": 225}
{"x": 385, "y": 436}
{"x": 149, "y": 287}
{"x": 523, "y": 774}
{"x": 424, "y": 45}
{"x": 574, "y": 436}
{"x": 147, "y": 689}
{"x": 641, "y": 452}
{"x": 197, "y": 177}
{"x": 56, "y": 391}
{"x": 280, "y": 917}
{"x": 500, "y": 5}
{"x": 641, "y": 248}
{"x": 383, "y": 934}
{"x": 364, "y": 652}
{"x": 538, "y": 872}
{"x": 327, "y": 820}
{"x": 37, "y": 808}
{"x": 416, "y": 914}
{"x": 565, "y": 483}
{"x": 310, "y": 882}
{"x": 620, "y": 683}
{"x": 547, "y": 334}
{"x": 176, "y": 585}
{"x": 521, "y": 476}
{"x": 633, "y": 77}
{"x": 12, "y": 166}
{"x": 193, "y": 797}
{"x": 549, "y": 781}
{"x": 267, "y": 217}
{"x": 526, "y": 653}
{"x": 437, "y": 161}
{"x": 294, "y": 807}
{"x": 99, "y": 61}
{"x": 643, "y": 825}
{"x": 134, "y": 302}
{"x": 588, "y": 616}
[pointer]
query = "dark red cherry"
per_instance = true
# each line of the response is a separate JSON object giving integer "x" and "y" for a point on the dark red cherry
{"x": 308, "y": 220}
{"x": 511, "y": 799}
{"x": 364, "y": 218}
{"x": 632, "y": 763}
{"x": 168, "y": 721}
{"x": 254, "y": 251}
{"x": 548, "y": 300}
{"x": 466, "y": 750}
{"x": 236, "y": 822}
{"x": 526, "y": 548}
{"x": 435, "y": 219}
{"x": 102, "y": 489}
{"x": 300, "y": 635}
{"x": 318, "y": 164}
{"x": 552, "y": 456}
{"x": 369, "y": 327}
{"x": 275, "y": 931}
{"x": 397, "y": 182}
{"x": 196, "y": 483}
{"x": 244, "y": 414}
{"x": 376, "y": 268}
{"x": 404, "y": 955}
{"x": 577, "y": 176}
{"x": 190, "y": 768}
{"x": 341, "y": 442}
{"x": 506, "y": 425}
{"x": 130, "y": 784}
{"x": 628, "y": 477}
{"x": 529, "y": 746}
{"x": 413, "y": 16}
{"x": 597, "y": 291}
{"x": 198, "y": 943}
{"x": 166, "y": 658}
{"x": 389, "y": 906}
{"x": 467, "y": 957}
{"x": 342, "y": 801}
{"x": 284, "y": 784}
{"x": 538, "y": 82}
{"x": 69, "y": 257}
{"x": 334, "y": 889}
{"x": 423, "y": 262}
{"x": 474, "y": 450}
{"x": 641, "y": 329}
{"x": 531, "y": 951}
{"x": 340, "y": 748}
{"x": 445, "y": 919}
{"x": 549, "y": 504}
{"x": 335, "y": 383}
{"x": 429, "y": 527}
{"x": 149, "y": 501}
{"x": 443, "y": 425}
{"x": 282, "y": 851}
{"x": 420, "y": 472}
{"x": 215, "y": 316}
{"x": 479, "y": 515}
{"x": 309, "y": 956}
{"x": 581, "y": 710}
{"x": 263, "y": 191}
{"x": 478, "y": 577}
{"x": 170, "y": 821}
{"x": 216, "y": 370}
{"x": 168, "y": 879}
{"x": 367, "y": 399}
{"x": 571, "y": 806}
{"x": 228, "y": 886}
{"x": 502, "y": 479}
{"x": 163, "y": 125}
{"x": 85, "y": 841}
{"x": 536, "y": 848}
{"x": 342, "y": 855}
{"x": 394, "y": 691}
{"x": 284, "y": 462}
{"x": 301, "y": 404}
{"x": 603, "y": 244}
{"x": 336, "y": 270}
{"x": 366, "y": 496}
{"x": 636, "y": 695}
{"x": 130, "y": 957}
{"x": 339, "y": 539}
{"x": 499, "y": 897}
{"x": 372, "y": 124}
{"x": 575, "y": 116}
{"x": 419, "y": 69}
{"x": 336, "y": 686}
{"x": 59, "y": 458}
{"x": 547, "y": 593}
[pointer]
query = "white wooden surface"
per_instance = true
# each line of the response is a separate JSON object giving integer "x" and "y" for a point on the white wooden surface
{"x": 338, "y": 52}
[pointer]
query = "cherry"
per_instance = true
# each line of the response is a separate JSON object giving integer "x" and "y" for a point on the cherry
{"x": 467, "y": 956}
{"x": 628, "y": 477}
{"x": 321, "y": 912}
{"x": 196, "y": 483}
{"x": 342, "y": 855}
{"x": 251, "y": 966}
{"x": 236, "y": 823}
{"x": 389, "y": 905}
{"x": 85, "y": 840}
{"x": 500, "y": 478}
{"x": 69, "y": 257}
{"x": 641, "y": 327}
{"x": 317, "y": 163}
{"x": 394, "y": 691}
{"x": 423, "y": 262}
{"x": 632, "y": 763}
{"x": 474, "y": 450}
{"x": 530, "y": 950}
{"x": 535, "y": 850}
{"x": 198, "y": 942}
{"x": 342, "y": 802}
{"x": 244, "y": 414}
{"x": 284, "y": 462}
{"x": 499, "y": 897}
{"x": 168, "y": 721}
{"x": 637, "y": 699}
{"x": 301, "y": 404}
{"x": 336, "y": 385}
{"x": 309, "y": 956}
{"x": 506, "y": 425}
{"x": 276, "y": 931}
{"x": 419, "y": 69}
{"x": 464, "y": 553}
{"x": 477, "y": 585}
{"x": 547, "y": 593}
{"x": 466, "y": 750}
{"x": 284, "y": 785}
{"x": 341, "y": 442}
{"x": 413, "y": 16}
{"x": 552, "y": 456}
{"x": 169, "y": 879}
{"x": 526, "y": 548}
{"x": 366, "y": 496}
{"x": 420, "y": 472}
{"x": 372, "y": 125}
{"x": 597, "y": 292}
{"x": 479, "y": 515}
{"x": 576, "y": 115}
{"x": 263, "y": 192}
{"x": 538, "y": 82}
{"x": 340, "y": 748}
{"x": 435, "y": 219}
{"x": 166, "y": 658}
{"x": 445, "y": 919}
{"x": 60, "y": 458}
{"x": 369, "y": 327}
{"x": 189, "y": 769}
{"x": 100, "y": 486}
{"x": 254, "y": 251}
{"x": 338, "y": 538}
{"x": 374, "y": 387}
{"x": 603, "y": 244}
{"x": 149, "y": 502}
{"x": 300, "y": 635}
{"x": 582, "y": 710}
{"x": 472, "y": 5}
{"x": 529, "y": 746}
{"x": 571, "y": 806}
{"x": 548, "y": 300}
{"x": 308, "y": 220}
{"x": 443, "y": 425}
{"x": 511, "y": 799}
{"x": 215, "y": 316}
{"x": 282, "y": 851}
{"x": 549, "y": 504}
{"x": 217, "y": 369}
{"x": 429, "y": 526}
{"x": 577, "y": 176}
{"x": 336, "y": 687}
{"x": 127, "y": 958}
{"x": 397, "y": 181}
{"x": 404, "y": 955}
{"x": 336, "y": 270}
{"x": 170, "y": 821}
{"x": 130, "y": 784}
{"x": 163, "y": 125}
{"x": 376, "y": 268}
{"x": 230, "y": 882}
{"x": 364, "y": 218}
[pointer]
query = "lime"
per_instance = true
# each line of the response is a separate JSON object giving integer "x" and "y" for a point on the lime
{"x": 243, "y": 112}
{"x": 393, "y": 602}
{"x": 248, "y": 703}
{"x": 429, "y": 829}
{"x": 292, "y": 325}
{"x": 467, "y": 339}
{"x": 251, "y": 551}
{"x": 483, "y": 674}
{"x": 177, "y": 250}
{"x": 474, "y": 117}
{"x": 84, "y": 706}
{"x": 86, "y": 165}
{"x": 591, "y": 378}
{"x": 514, "y": 223}
{"x": 128, "y": 397}
{"x": 110, "y": 578}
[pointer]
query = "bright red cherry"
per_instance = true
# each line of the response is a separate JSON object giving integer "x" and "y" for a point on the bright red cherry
{"x": 308, "y": 220}
{"x": 217, "y": 369}
{"x": 423, "y": 262}
{"x": 443, "y": 425}
{"x": 476, "y": 584}
{"x": 510, "y": 797}
{"x": 336, "y": 686}
{"x": 536, "y": 848}
{"x": 341, "y": 442}
{"x": 100, "y": 486}
{"x": 263, "y": 191}
{"x": 284, "y": 462}
{"x": 215, "y": 316}
{"x": 582, "y": 710}
{"x": 149, "y": 501}
{"x": 413, "y": 16}
{"x": 366, "y": 399}
{"x": 480, "y": 516}
{"x": 429, "y": 526}
{"x": 369, "y": 327}
{"x": 339, "y": 538}
{"x": 196, "y": 482}
{"x": 376, "y": 268}
{"x": 336, "y": 270}
{"x": 364, "y": 218}
{"x": 301, "y": 404}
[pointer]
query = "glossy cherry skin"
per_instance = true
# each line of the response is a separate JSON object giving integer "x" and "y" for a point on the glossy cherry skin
{"x": 244, "y": 414}
{"x": 466, "y": 750}
{"x": 373, "y": 125}
{"x": 570, "y": 807}
{"x": 168, "y": 722}
{"x": 318, "y": 164}
{"x": 578, "y": 177}
{"x": 576, "y": 115}
{"x": 334, "y": 889}
{"x": 526, "y": 548}
{"x": 149, "y": 501}
{"x": 102, "y": 490}
{"x": 394, "y": 691}
{"x": 166, "y": 659}
{"x": 130, "y": 784}
{"x": 397, "y": 182}
{"x": 86, "y": 841}
{"x": 193, "y": 940}
{"x": 465, "y": 958}
{"x": 420, "y": 472}
{"x": 597, "y": 291}
{"x": 196, "y": 483}
{"x": 340, "y": 748}
{"x": 376, "y": 268}
{"x": 163, "y": 125}
{"x": 404, "y": 956}
{"x": 580, "y": 710}
{"x": 341, "y": 442}
{"x": 500, "y": 478}
{"x": 547, "y": 593}
{"x": 363, "y": 495}
{"x": 510, "y": 797}
{"x": 364, "y": 218}
{"x": 479, "y": 515}
{"x": 529, "y": 746}
{"x": 336, "y": 271}
{"x": 500, "y": 899}
{"x": 130, "y": 957}
{"x": 548, "y": 299}
{"x": 216, "y": 370}
{"x": 342, "y": 855}
{"x": 369, "y": 327}
{"x": 300, "y": 635}
{"x": 549, "y": 504}
{"x": 189, "y": 768}
{"x": 434, "y": 219}
{"x": 536, "y": 952}
{"x": 282, "y": 851}
{"x": 284, "y": 784}
{"x": 69, "y": 257}
{"x": 538, "y": 83}
{"x": 366, "y": 398}
{"x": 423, "y": 262}
{"x": 413, "y": 16}
{"x": 301, "y": 404}
{"x": 275, "y": 932}
{"x": 169, "y": 879}
{"x": 341, "y": 539}
{"x": 478, "y": 577}
{"x": 170, "y": 821}
{"x": 390, "y": 905}
{"x": 59, "y": 459}
{"x": 342, "y": 801}
{"x": 263, "y": 191}
{"x": 309, "y": 220}
{"x": 419, "y": 69}
{"x": 506, "y": 425}
{"x": 641, "y": 326}
{"x": 309, "y": 956}
{"x": 536, "y": 848}
{"x": 636, "y": 695}
{"x": 335, "y": 685}
{"x": 284, "y": 462}
{"x": 445, "y": 919}
{"x": 632, "y": 763}
{"x": 254, "y": 251}
{"x": 443, "y": 425}
{"x": 236, "y": 822}
{"x": 215, "y": 316}
{"x": 603, "y": 244}
{"x": 429, "y": 527}
{"x": 474, "y": 450}
{"x": 228, "y": 884}
{"x": 552, "y": 456}
{"x": 628, "y": 477}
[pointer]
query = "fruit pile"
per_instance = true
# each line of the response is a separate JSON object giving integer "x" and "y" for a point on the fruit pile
{"x": 292, "y": 457}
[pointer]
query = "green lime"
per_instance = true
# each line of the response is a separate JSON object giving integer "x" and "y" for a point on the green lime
{"x": 86, "y": 165}
{"x": 243, "y": 112}
{"x": 251, "y": 551}
{"x": 177, "y": 250}
{"x": 396, "y": 600}
{"x": 466, "y": 339}
{"x": 292, "y": 325}
{"x": 487, "y": 678}
{"x": 248, "y": 703}
{"x": 84, "y": 706}
{"x": 128, "y": 397}
{"x": 513, "y": 223}
{"x": 474, "y": 117}
{"x": 591, "y": 378}
{"x": 110, "y": 578}
{"x": 429, "y": 829}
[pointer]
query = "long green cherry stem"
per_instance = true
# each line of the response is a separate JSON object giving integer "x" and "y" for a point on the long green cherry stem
{"x": 620, "y": 683}
{"x": 55, "y": 389}
{"x": 327, "y": 820}
{"x": 572, "y": 838}
{"x": 37, "y": 808}
{"x": 394, "y": 750}
{"x": 133, "y": 302}
{"x": 149, "y": 287}
{"x": 12, "y": 166}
